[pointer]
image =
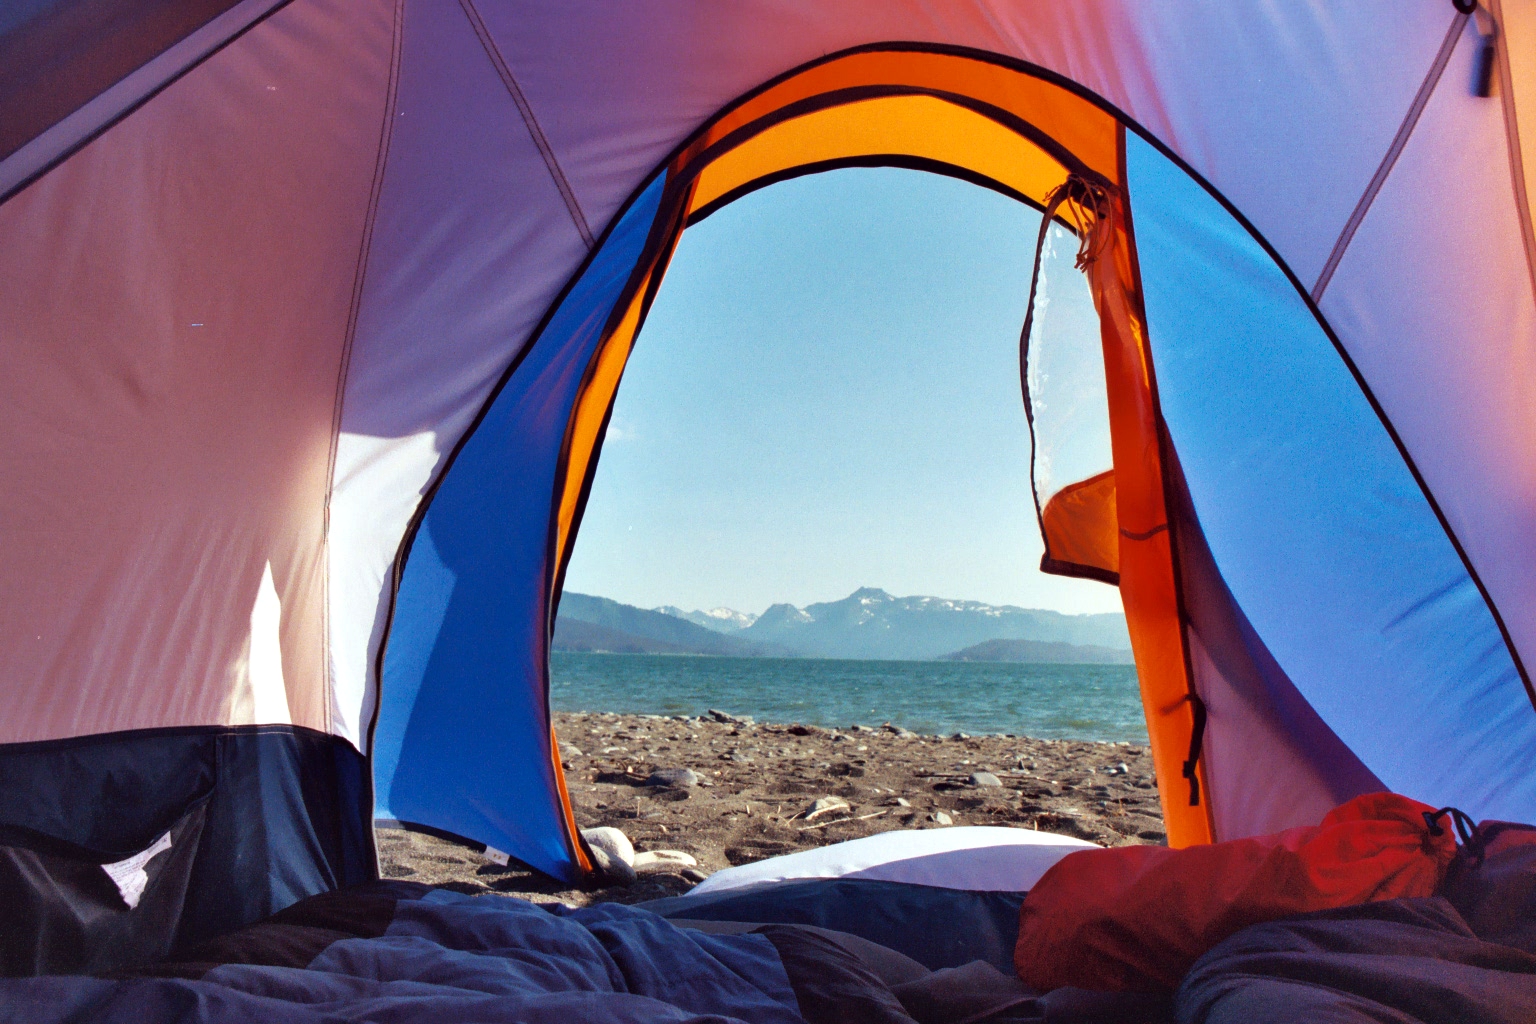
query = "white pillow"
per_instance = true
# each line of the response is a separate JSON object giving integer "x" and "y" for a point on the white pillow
{"x": 978, "y": 857}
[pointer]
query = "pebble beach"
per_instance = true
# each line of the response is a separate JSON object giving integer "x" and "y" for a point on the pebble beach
{"x": 703, "y": 793}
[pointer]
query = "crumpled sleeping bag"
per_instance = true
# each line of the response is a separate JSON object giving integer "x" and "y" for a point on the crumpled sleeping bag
{"x": 397, "y": 952}
{"x": 1135, "y": 918}
{"x": 1467, "y": 956}
{"x": 402, "y": 953}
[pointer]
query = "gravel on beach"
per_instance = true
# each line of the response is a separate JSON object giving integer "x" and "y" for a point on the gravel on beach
{"x": 726, "y": 790}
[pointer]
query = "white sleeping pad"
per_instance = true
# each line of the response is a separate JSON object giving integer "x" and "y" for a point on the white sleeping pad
{"x": 977, "y": 857}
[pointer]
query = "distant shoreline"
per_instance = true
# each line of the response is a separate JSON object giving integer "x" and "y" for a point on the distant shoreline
{"x": 946, "y": 660}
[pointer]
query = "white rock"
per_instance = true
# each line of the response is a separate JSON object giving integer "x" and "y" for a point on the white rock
{"x": 825, "y": 805}
{"x": 651, "y": 859}
{"x": 611, "y": 841}
{"x": 613, "y": 870}
{"x": 939, "y": 817}
{"x": 674, "y": 778}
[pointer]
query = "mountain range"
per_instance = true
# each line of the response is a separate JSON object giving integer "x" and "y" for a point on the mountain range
{"x": 868, "y": 624}
{"x": 721, "y": 620}
{"x": 587, "y": 623}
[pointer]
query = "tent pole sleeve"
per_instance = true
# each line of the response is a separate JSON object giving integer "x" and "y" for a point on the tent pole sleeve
{"x": 1148, "y": 575}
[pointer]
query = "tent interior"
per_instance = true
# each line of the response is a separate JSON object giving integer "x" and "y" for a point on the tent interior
{"x": 315, "y": 316}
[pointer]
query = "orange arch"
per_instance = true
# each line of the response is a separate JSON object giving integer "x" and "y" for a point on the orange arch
{"x": 1011, "y": 131}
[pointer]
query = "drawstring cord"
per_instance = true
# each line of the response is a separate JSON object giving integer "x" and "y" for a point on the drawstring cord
{"x": 1087, "y": 205}
{"x": 1467, "y": 831}
{"x": 1196, "y": 739}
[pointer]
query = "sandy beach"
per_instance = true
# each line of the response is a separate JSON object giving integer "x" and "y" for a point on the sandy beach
{"x": 753, "y": 787}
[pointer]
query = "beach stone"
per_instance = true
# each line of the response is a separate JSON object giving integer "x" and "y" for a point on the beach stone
{"x": 650, "y": 859}
{"x": 802, "y": 730}
{"x": 673, "y": 778}
{"x": 825, "y": 805}
{"x": 611, "y": 841}
{"x": 902, "y": 801}
{"x": 729, "y": 719}
{"x": 694, "y": 874}
{"x": 940, "y": 818}
{"x": 1124, "y": 768}
{"x": 986, "y": 779}
{"x": 613, "y": 870}
{"x": 961, "y": 736}
{"x": 569, "y": 750}
{"x": 860, "y": 728}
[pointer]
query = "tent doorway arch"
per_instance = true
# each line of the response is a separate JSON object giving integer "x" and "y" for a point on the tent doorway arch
{"x": 1003, "y": 126}
{"x": 969, "y": 115}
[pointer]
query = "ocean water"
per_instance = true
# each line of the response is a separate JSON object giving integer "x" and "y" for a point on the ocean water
{"x": 1082, "y": 702}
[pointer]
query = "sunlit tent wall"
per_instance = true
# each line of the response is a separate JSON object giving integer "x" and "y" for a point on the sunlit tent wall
{"x": 312, "y": 315}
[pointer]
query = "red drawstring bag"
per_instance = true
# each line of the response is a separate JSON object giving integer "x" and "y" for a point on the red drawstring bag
{"x": 1135, "y": 918}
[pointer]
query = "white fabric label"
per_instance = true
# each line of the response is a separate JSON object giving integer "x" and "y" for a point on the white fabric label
{"x": 129, "y": 875}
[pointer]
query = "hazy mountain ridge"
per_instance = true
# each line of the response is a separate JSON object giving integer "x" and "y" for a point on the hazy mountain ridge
{"x": 868, "y": 624}
{"x": 1041, "y": 652}
{"x": 871, "y": 623}
{"x": 631, "y": 627}
{"x": 588, "y": 637}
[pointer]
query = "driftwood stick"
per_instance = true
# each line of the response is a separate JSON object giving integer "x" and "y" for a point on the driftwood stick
{"x": 834, "y": 821}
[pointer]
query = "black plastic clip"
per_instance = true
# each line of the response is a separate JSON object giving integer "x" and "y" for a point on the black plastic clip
{"x": 1466, "y": 829}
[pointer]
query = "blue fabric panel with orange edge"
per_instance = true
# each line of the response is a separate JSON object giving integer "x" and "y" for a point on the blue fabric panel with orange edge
{"x": 1314, "y": 518}
{"x": 462, "y": 742}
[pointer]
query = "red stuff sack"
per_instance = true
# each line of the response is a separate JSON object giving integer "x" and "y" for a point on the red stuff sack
{"x": 1135, "y": 918}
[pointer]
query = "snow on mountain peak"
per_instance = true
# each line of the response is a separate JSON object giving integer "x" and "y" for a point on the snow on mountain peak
{"x": 721, "y": 619}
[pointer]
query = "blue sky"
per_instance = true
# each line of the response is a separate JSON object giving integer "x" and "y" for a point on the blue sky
{"x": 825, "y": 396}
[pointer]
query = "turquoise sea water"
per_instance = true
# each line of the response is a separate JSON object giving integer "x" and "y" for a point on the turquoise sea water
{"x": 1085, "y": 702}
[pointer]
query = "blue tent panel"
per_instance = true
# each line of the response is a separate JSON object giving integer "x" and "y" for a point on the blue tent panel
{"x": 462, "y": 742}
{"x": 1314, "y": 519}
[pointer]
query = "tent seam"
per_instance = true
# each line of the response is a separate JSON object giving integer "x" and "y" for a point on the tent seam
{"x": 16, "y": 187}
{"x": 1389, "y": 160}
{"x": 1512, "y": 138}
{"x": 359, "y": 277}
{"x": 539, "y": 139}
